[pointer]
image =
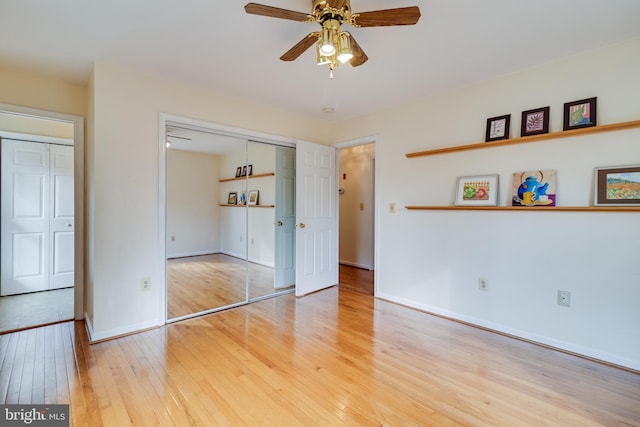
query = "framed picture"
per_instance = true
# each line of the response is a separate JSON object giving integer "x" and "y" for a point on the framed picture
{"x": 498, "y": 128}
{"x": 250, "y": 170}
{"x": 478, "y": 190}
{"x": 244, "y": 170}
{"x": 579, "y": 114}
{"x": 238, "y": 171}
{"x": 618, "y": 186}
{"x": 242, "y": 198}
{"x": 233, "y": 198}
{"x": 535, "y": 122}
{"x": 253, "y": 197}
{"x": 534, "y": 188}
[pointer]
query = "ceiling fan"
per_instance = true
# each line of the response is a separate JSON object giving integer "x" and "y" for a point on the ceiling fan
{"x": 334, "y": 46}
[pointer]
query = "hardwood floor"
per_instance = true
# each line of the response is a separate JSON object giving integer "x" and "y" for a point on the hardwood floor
{"x": 200, "y": 283}
{"x": 335, "y": 357}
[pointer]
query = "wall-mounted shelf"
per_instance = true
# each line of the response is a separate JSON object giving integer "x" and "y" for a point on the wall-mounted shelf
{"x": 618, "y": 209}
{"x": 532, "y": 138}
{"x": 242, "y": 178}
{"x": 244, "y": 206}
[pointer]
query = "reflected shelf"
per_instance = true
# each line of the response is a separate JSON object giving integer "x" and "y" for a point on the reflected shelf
{"x": 619, "y": 209}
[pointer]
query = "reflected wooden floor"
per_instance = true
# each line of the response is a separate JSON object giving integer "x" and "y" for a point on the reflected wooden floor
{"x": 199, "y": 283}
{"x": 335, "y": 357}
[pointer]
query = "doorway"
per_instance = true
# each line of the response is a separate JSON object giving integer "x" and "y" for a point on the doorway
{"x": 41, "y": 209}
{"x": 358, "y": 214}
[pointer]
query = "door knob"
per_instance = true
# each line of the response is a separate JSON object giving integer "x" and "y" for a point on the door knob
{"x": 301, "y": 225}
{"x": 279, "y": 223}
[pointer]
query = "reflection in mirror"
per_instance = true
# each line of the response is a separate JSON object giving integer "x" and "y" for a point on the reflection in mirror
{"x": 206, "y": 244}
{"x": 225, "y": 197}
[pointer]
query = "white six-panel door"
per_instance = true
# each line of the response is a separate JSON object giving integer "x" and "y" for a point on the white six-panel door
{"x": 37, "y": 206}
{"x": 316, "y": 218}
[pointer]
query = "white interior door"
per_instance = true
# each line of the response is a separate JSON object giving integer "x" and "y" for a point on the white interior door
{"x": 316, "y": 216}
{"x": 285, "y": 218}
{"x": 62, "y": 217}
{"x": 25, "y": 217}
{"x": 37, "y": 217}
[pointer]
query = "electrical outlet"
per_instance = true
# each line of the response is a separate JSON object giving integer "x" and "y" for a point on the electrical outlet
{"x": 483, "y": 284}
{"x": 564, "y": 298}
{"x": 145, "y": 284}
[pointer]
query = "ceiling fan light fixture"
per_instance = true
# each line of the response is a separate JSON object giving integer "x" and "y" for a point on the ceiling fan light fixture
{"x": 327, "y": 47}
{"x": 344, "y": 52}
{"x": 321, "y": 58}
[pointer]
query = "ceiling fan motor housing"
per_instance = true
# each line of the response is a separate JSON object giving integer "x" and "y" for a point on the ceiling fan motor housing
{"x": 322, "y": 11}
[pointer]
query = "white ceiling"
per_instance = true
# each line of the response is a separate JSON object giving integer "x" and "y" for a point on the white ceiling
{"x": 217, "y": 46}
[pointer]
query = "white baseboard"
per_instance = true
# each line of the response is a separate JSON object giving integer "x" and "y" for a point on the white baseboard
{"x": 117, "y": 332}
{"x": 535, "y": 338}
{"x": 196, "y": 253}
{"x": 355, "y": 264}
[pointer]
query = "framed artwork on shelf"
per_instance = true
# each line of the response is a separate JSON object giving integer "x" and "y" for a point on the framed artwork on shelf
{"x": 617, "y": 186}
{"x": 242, "y": 198}
{"x": 535, "y": 122}
{"x": 580, "y": 114}
{"x": 253, "y": 197}
{"x": 244, "y": 170}
{"x": 238, "y": 171}
{"x": 498, "y": 128}
{"x": 233, "y": 198}
{"x": 534, "y": 188}
{"x": 250, "y": 170}
{"x": 477, "y": 190}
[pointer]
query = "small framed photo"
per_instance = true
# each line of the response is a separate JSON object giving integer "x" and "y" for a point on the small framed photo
{"x": 238, "y": 171}
{"x": 253, "y": 197}
{"x": 618, "y": 186}
{"x": 478, "y": 190}
{"x": 535, "y": 122}
{"x": 233, "y": 199}
{"x": 250, "y": 170}
{"x": 242, "y": 198}
{"x": 498, "y": 128}
{"x": 580, "y": 114}
{"x": 244, "y": 170}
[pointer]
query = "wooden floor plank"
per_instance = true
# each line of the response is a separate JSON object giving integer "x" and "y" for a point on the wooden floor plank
{"x": 336, "y": 357}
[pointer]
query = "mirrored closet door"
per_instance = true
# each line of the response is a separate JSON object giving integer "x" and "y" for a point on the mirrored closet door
{"x": 222, "y": 244}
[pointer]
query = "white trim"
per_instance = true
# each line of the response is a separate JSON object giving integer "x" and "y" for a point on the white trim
{"x": 355, "y": 264}
{"x": 79, "y": 185}
{"x": 36, "y": 138}
{"x": 497, "y": 327}
{"x": 372, "y": 139}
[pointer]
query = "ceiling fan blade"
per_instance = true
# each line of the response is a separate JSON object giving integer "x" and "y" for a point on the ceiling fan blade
{"x": 276, "y": 12}
{"x": 300, "y": 47}
{"x": 387, "y": 17}
{"x": 359, "y": 57}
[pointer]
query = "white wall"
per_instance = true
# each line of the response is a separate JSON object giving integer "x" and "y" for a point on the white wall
{"x": 356, "y": 167}
{"x": 193, "y": 214}
{"x": 123, "y": 160}
{"x": 259, "y": 241}
{"x": 432, "y": 259}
